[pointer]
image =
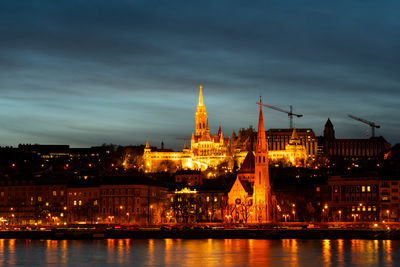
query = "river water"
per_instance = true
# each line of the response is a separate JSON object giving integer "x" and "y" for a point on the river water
{"x": 206, "y": 252}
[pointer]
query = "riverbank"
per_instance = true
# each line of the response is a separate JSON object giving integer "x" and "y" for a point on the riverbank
{"x": 56, "y": 234}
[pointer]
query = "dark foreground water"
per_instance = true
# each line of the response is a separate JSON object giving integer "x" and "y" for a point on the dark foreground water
{"x": 207, "y": 252}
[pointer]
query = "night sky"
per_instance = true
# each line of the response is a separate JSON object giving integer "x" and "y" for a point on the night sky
{"x": 85, "y": 73}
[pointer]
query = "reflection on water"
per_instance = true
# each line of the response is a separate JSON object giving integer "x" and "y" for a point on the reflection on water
{"x": 204, "y": 253}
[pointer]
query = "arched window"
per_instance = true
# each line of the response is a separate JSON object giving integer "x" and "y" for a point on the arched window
{"x": 259, "y": 177}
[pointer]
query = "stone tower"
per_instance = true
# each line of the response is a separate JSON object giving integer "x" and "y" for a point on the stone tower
{"x": 262, "y": 189}
{"x": 329, "y": 131}
{"x": 201, "y": 116}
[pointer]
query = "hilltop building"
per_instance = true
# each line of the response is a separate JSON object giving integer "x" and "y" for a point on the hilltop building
{"x": 206, "y": 150}
{"x": 373, "y": 148}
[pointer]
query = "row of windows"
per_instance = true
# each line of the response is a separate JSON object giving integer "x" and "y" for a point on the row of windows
{"x": 208, "y": 199}
{"x": 84, "y": 194}
{"x": 363, "y": 208}
{"x": 121, "y": 192}
{"x": 117, "y": 210}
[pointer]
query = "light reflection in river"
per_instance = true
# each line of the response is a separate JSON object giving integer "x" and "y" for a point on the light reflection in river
{"x": 201, "y": 252}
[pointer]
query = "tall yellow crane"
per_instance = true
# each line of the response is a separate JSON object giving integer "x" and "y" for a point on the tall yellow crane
{"x": 370, "y": 123}
{"x": 289, "y": 113}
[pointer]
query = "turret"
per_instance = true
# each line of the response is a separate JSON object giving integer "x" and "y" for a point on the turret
{"x": 329, "y": 131}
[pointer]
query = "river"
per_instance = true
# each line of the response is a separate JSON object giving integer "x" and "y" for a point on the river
{"x": 200, "y": 252}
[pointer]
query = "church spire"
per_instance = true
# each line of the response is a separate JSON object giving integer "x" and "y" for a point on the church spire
{"x": 261, "y": 140}
{"x": 201, "y": 96}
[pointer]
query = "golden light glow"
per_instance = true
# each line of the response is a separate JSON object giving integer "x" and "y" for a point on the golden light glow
{"x": 185, "y": 191}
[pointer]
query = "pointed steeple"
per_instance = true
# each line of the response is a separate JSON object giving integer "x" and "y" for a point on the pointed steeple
{"x": 262, "y": 188}
{"x": 147, "y": 144}
{"x": 261, "y": 141}
{"x": 201, "y": 115}
{"x": 329, "y": 130}
{"x": 219, "y": 130}
{"x": 201, "y": 96}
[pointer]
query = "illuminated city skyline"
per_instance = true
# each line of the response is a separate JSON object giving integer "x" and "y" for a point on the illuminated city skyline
{"x": 82, "y": 74}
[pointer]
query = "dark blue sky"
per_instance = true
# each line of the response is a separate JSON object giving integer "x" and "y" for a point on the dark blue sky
{"x": 90, "y": 72}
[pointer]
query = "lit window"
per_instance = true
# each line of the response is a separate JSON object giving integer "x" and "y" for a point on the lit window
{"x": 369, "y": 208}
{"x": 215, "y": 199}
{"x": 95, "y": 202}
{"x": 172, "y": 199}
{"x": 369, "y": 188}
{"x": 363, "y": 208}
{"x": 80, "y": 202}
{"x": 374, "y": 208}
{"x": 363, "y": 188}
{"x": 74, "y": 202}
{"x": 352, "y": 208}
{"x": 208, "y": 199}
{"x": 39, "y": 199}
{"x": 47, "y": 203}
{"x": 54, "y": 193}
{"x": 317, "y": 189}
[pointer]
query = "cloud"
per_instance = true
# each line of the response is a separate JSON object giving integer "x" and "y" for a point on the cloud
{"x": 125, "y": 71}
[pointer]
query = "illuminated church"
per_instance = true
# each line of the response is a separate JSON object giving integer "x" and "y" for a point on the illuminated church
{"x": 250, "y": 199}
{"x": 211, "y": 151}
{"x": 206, "y": 150}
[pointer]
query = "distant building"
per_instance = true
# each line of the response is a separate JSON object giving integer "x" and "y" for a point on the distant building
{"x": 389, "y": 190}
{"x": 83, "y": 203}
{"x": 134, "y": 199}
{"x": 373, "y": 148}
{"x": 189, "y": 177}
{"x": 200, "y": 204}
{"x": 353, "y": 199}
{"x": 33, "y": 200}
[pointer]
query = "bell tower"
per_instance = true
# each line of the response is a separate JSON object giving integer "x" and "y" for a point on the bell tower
{"x": 201, "y": 116}
{"x": 262, "y": 189}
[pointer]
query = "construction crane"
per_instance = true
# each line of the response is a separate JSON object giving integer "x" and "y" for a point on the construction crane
{"x": 370, "y": 123}
{"x": 289, "y": 113}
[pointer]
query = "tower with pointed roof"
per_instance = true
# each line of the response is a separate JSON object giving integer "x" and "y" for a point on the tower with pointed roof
{"x": 262, "y": 188}
{"x": 201, "y": 115}
{"x": 329, "y": 131}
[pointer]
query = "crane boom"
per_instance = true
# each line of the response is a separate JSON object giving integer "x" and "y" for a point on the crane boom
{"x": 370, "y": 123}
{"x": 289, "y": 113}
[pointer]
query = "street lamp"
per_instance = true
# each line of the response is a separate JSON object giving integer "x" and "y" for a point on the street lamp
{"x": 294, "y": 215}
{"x": 209, "y": 213}
{"x": 354, "y": 216}
{"x": 340, "y": 215}
{"x": 285, "y": 216}
{"x": 388, "y": 214}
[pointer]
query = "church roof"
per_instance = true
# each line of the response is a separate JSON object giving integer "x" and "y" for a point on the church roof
{"x": 248, "y": 165}
{"x": 247, "y": 187}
